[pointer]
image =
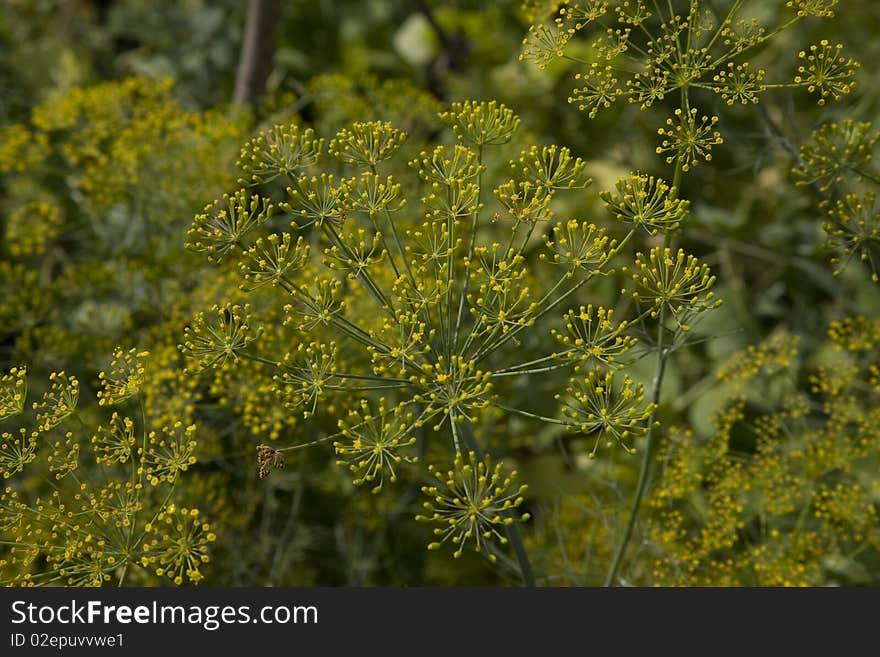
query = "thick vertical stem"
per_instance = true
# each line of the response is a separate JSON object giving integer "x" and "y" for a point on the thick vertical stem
{"x": 471, "y": 246}
{"x": 646, "y": 461}
{"x": 257, "y": 50}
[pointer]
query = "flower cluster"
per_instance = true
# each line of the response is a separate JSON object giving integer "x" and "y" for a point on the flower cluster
{"x": 836, "y": 153}
{"x": 365, "y": 144}
{"x": 32, "y": 227}
{"x": 281, "y": 151}
{"x": 375, "y": 442}
{"x": 646, "y": 202}
{"x": 838, "y": 161}
{"x": 825, "y": 72}
{"x": 613, "y": 410}
{"x": 793, "y": 509}
{"x": 673, "y": 284}
{"x": 406, "y": 323}
{"x": 226, "y": 222}
{"x": 102, "y": 182}
{"x": 13, "y": 392}
{"x": 125, "y": 378}
{"x": 777, "y": 354}
{"x": 93, "y": 530}
{"x": 58, "y": 402}
{"x": 214, "y": 343}
{"x": 16, "y": 451}
{"x": 853, "y": 227}
{"x": 176, "y": 544}
{"x": 644, "y": 52}
{"x": 592, "y": 335}
{"x": 688, "y": 140}
{"x": 473, "y": 503}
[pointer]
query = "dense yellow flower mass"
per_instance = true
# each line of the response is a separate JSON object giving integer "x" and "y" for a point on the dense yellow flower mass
{"x": 100, "y": 171}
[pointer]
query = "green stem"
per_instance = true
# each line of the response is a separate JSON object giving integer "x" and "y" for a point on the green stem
{"x": 734, "y": 52}
{"x": 536, "y": 370}
{"x": 345, "y": 326}
{"x": 350, "y": 388}
{"x": 725, "y": 23}
{"x": 471, "y": 246}
{"x": 424, "y": 313}
{"x": 385, "y": 245}
{"x": 676, "y": 179}
{"x": 397, "y": 241}
{"x": 259, "y": 359}
{"x": 534, "y": 416}
{"x": 866, "y": 175}
{"x": 488, "y": 348}
{"x": 310, "y": 443}
{"x": 361, "y": 274}
{"x": 646, "y": 459}
{"x": 136, "y": 474}
{"x": 516, "y": 369}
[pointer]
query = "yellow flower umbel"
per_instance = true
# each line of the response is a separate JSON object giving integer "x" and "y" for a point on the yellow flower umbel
{"x": 58, "y": 402}
{"x": 642, "y": 53}
{"x": 16, "y": 451}
{"x": 271, "y": 261}
{"x": 125, "y": 378}
{"x": 280, "y": 151}
{"x": 366, "y": 144}
{"x": 591, "y": 336}
{"x": 375, "y": 442}
{"x": 609, "y": 405}
{"x": 481, "y": 124}
{"x": 646, "y": 202}
{"x": 213, "y": 344}
{"x": 545, "y": 42}
{"x": 453, "y": 389}
{"x": 304, "y": 374}
{"x": 90, "y": 531}
{"x": 853, "y": 227}
{"x": 169, "y": 452}
{"x": 688, "y": 139}
{"x": 578, "y": 245}
{"x": 836, "y": 153}
{"x": 222, "y": 227}
{"x": 421, "y": 312}
{"x": 838, "y": 164}
{"x": 737, "y": 84}
{"x": 675, "y": 283}
{"x": 114, "y": 443}
{"x": 820, "y": 8}
{"x": 552, "y": 168}
{"x": 13, "y": 392}
{"x": 473, "y": 503}
{"x": 177, "y": 545}
{"x": 825, "y": 72}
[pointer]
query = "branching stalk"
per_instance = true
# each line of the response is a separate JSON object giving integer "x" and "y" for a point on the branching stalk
{"x": 662, "y": 355}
